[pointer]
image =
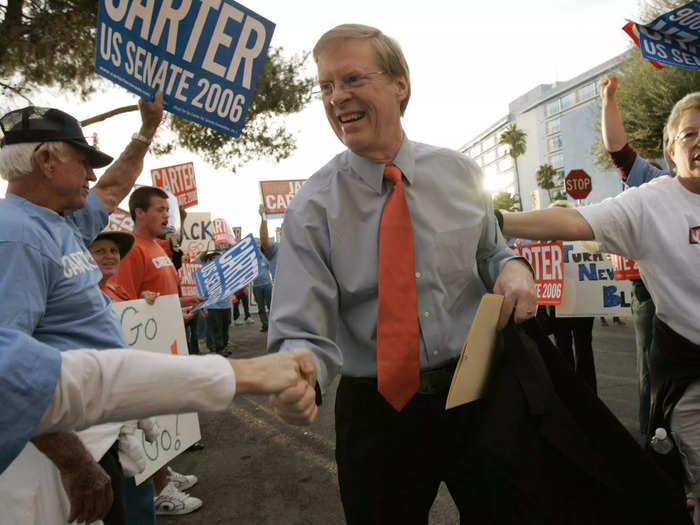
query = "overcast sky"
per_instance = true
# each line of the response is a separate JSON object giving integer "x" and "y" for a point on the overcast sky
{"x": 468, "y": 60}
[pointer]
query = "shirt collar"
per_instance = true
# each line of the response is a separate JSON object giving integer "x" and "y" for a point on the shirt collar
{"x": 373, "y": 172}
{"x": 31, "y": 207}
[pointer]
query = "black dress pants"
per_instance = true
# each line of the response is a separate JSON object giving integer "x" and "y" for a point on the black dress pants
{"x": 390, "y": 464}
{"x": 110, "y": 464}
{"x": 576, "y": 333}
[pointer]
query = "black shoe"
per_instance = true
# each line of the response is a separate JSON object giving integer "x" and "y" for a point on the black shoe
{"x": 263, "y": 329}
{"x": 196, "y": 446}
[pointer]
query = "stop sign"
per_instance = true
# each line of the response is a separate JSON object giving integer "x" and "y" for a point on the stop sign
{"x": 578, "y": 184}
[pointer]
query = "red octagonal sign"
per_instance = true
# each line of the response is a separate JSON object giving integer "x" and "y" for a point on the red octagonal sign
{"x": 578, "y": 184}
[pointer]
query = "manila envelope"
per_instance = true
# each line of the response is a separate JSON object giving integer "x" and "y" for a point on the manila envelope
{"x": 477, "y": 353}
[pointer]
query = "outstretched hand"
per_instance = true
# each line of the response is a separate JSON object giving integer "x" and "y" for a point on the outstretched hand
{"x": 296, "y": 404}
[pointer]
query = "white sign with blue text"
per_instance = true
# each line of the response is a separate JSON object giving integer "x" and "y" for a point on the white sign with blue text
{"x": 205, "y": 55}
{"x": 590, "y": 288}
{"x": 229, "y": 272}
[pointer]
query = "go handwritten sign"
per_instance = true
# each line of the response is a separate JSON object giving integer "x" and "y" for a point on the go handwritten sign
{"x": 159, "y": 328}
{"x": 206, "y": 56}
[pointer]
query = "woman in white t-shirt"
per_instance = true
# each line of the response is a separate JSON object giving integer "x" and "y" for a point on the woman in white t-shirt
{"x": 658, "y": 225}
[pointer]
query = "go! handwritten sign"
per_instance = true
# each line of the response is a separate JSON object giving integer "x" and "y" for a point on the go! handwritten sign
{"x": 159, "y": 328}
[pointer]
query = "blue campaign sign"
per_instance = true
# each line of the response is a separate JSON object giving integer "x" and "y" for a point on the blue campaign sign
{"x": 673, "y": 38}
{"x": 229, "y": 272}
{"x": 205, "y": 55}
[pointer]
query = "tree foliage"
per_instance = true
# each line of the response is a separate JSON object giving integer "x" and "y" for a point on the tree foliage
{"x": 52, "y": 43}
{"x": 506, "y": 201}
{"x": 547, "y": 178}
{"x": 515, "y": 138}
{"x": 646, "y": 95}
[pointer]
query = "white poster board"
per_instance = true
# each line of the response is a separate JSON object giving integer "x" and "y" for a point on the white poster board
{"x": 159, "y": 328}
{"x": 589, "y": 286}
{"x": 197, "y": 233}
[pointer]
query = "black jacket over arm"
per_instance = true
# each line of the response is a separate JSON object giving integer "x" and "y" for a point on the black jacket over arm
{"x": 550, "y": 452}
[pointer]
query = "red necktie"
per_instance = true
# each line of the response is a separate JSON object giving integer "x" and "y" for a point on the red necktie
{"x": 398, "y": 365}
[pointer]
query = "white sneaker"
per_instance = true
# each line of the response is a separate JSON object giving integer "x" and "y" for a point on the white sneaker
{"x": 250, "y": 320}
{"x": 181, "y": 481}
{"x": 238, "y": 322}
{"x": 171, "y": 501}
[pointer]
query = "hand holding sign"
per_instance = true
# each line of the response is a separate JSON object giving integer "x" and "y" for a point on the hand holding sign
{"x": 151, "y": 115}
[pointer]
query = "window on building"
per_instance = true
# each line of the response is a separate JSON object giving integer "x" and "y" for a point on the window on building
{"x": 489, "y": 156}
{"x": 567, "y": 101}
{"x": 475, "y": 150}
{"x": 552, "y": 108}
{"x": 559, "y": 178}
{"x": 503, "y": 149}
{"x": 586, "y": 92}
{"x": 554, "y": 143}
{"x": 552, "y": 126}
{"x": 490, "y": 171}
{"x": 489, "y": 142}
{"x": 505, "y": 163}
{"x": 557, "y": 161}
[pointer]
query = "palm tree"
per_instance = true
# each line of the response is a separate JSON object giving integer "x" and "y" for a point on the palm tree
{"x": 547, "y": 178}
{"x": 506, "y": 201}
{"x": 517, "y": 140}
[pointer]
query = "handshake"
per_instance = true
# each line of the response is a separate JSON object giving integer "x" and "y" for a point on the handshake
{"x": 289, "y": 378}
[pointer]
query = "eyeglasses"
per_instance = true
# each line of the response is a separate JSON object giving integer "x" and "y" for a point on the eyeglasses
{"x": 353, "y": 81}
{"x": 687, "y": 137}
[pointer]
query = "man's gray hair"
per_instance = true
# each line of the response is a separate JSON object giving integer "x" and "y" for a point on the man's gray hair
{"x": 17, "y": 160}
{"x": 388, "y": 52}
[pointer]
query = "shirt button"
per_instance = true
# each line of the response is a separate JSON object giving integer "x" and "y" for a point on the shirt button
{"x": 417, "y": 275}
{"x": 426, "y": 314}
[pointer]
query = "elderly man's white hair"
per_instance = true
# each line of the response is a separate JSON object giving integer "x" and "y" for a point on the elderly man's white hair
{"x": 17, "y": 160}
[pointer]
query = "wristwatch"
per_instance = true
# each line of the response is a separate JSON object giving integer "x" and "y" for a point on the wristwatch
{"x": 141, "y": 138}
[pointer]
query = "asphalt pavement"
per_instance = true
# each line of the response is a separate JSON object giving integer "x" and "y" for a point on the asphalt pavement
{"x": 258, "y": 470}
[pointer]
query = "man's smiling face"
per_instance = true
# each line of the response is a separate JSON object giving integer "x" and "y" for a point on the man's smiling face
{"x": 367, "y": 118}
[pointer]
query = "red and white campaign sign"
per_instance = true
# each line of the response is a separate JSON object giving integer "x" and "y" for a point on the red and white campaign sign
{"x": 120, "y": 220}
{"x": 178, "y": 180}
{"x": 547, "y": 260}
{"x": 188, "y": 286}
{"x": 223, "y": 234}
{"x": 277, "y": 194}
{"x": 625, "y": 269}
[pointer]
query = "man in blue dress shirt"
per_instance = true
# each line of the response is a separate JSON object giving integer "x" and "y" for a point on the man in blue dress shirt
{"x": 390, "y": 463}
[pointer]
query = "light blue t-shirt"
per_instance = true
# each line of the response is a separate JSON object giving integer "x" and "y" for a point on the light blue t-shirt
{"x": 29, "y": 372}
{"x": 271, "y": 254}
{"x": 642, "y": 171}
{"x": 49, "y": 280}
{"x": 263, "y": 278}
